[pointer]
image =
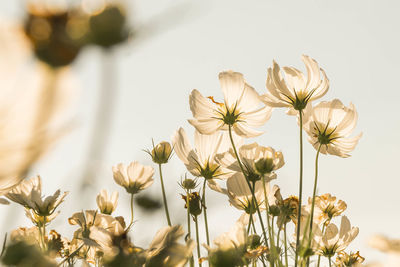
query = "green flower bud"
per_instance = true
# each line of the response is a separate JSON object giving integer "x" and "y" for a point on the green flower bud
{"x": 161, "y": 153}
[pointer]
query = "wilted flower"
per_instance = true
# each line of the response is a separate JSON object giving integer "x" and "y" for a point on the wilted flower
{"x": 240, "y": 108}
{"x": 107, "y": 204}
{"x": 134, "y": 177}
{"x": 349, "y": 260}
{"x": 161, "y": 153}
{"x": 258, "y": 161}
{"x": 329, "y": 125}
{"x": 29, "y": 194}
{"x": 334, "y": 240}
{"x": 166, "y": 251}
{"x": 292, "y": 89}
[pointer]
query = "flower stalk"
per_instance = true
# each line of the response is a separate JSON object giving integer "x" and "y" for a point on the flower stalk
{"x": 203, "y": 201}
{"x": 164, "y": 197}
{"x": 300, "y": 187}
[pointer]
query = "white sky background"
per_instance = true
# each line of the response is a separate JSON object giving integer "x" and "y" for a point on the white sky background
{"x": 356, "y": 42}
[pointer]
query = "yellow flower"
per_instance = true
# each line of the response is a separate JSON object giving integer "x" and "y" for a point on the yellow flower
{"x": 291, "y": 88}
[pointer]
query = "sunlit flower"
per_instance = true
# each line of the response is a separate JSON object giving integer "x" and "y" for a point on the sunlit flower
{"x": 349, "y": 260}
{"x": 257, "y": 160}
{"x": 107, "y": 204}
{"x": 29, "y": 194}
{"x": 241, "y": 108}
{"x": 291, "y": 88}
{"x": 134, "y": 177}
{"x": 329, "y": 206}
{"x": 329, "y": 125}
{"x": 334, "y": 240}
{"x": 161, "y": 153}
{"x": 200, "y": 161}
{"x": 166, "y": 251}
{"x": 30, "y": 236}
{"x": 230, "y": 247}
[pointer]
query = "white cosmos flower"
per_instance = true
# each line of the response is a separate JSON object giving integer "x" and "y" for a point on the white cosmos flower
{"x": 241, "y": 108}
{"x": 329, "y": 124}
{"x": 107, "y": 203}
{"x": 257, "y": 161}
{"x": 200, "y": 160}
{"x": 133, "y": 177}
{"x": 29, "y": 194}
{"x": 334, "y": 240}
{"x": 291, "y": 88}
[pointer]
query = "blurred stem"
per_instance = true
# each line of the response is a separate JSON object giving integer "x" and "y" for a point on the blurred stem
{"x": 314, "y": 193}
{"x": 164, "y": 197}
{"x": 277, "y": 237}
{"x": 203, "y": 200}
{"x": 103, "y": 118}
{"x": 197, "y": 240}
{"x": 248, "y": 183}
{"x": 286, "y": 248}
{"x": 330, "y": 262}
{"x": 131, "y": 223}
{"x": 271, "y": 239}
{"x": 300, "y": 186}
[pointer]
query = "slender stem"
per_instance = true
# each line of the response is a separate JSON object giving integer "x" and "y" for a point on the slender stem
{"x": 314, "y": 193}
{"x": 131, "y": 223}
{"x": 286, "y": 249}
{"x": 319, "y": 256}
{"x": 203, "y": 200}
{"x": 197, "y": 240}
{"x": 300, "y": 186}
{"x": 249, "y": 225}
{"x": 70, "y": 255}
{"x": 164, "y": 197}
{"x": 248, "y": 183}
{"x": 277, "y": 237}
{"x": 188, "y": 222}
{"x": 330, "y": 262}
{"x": 271, "y": 240}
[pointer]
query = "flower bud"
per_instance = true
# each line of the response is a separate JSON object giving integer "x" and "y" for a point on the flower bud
{"x": 161, "y": 153}
{"x": 274, "y": 210}
{"x": 194, "y": 203}
{"x": 189, "y": 184}
{"x": 253, "y": 241}
{"x": 264, "y": 165}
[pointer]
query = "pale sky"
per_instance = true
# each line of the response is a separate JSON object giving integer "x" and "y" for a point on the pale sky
{"x": 355, "y": 42}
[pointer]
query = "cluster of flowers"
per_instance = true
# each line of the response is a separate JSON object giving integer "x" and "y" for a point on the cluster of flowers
{"x": 222, "y": 161}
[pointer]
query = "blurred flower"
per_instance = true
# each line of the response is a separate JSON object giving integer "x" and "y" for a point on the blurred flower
{"x": 161, "y": 153}
{"x": 29, "y": 194}
{"x": 194, "y": 203}
{"x": 30, "y": 236}
{"x": 200, "y": 160}
{"x": 389, "y": 246}
{"x": 290, "y": 88}
{"x": 166, "y": 251}
{"x": 134, "y": 177}
{"x": 107, "y": 204}
{"x": 349, "y": 260}
{"x": 329, "y": 125}
{"x": 258, "y": 161}
{"x": 334, "y": 240}
{"x": 230, "y": 247}
{"x": 240, "y": 108}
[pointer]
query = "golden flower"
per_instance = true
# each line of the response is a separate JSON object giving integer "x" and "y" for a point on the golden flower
{"x": 134, "y": 177}
{"x": 291, "y": 88}
{"x": 349, "y": 260}
{"x": 107, "y": 204}
{"x": 329, "y": 124}
{"x": 240, "y": 108}
{"x": 161, "y": 153}
{"x": 328, "y": 206}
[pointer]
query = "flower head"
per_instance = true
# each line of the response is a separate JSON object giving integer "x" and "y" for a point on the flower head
{"x": 161, "y": 153}
{"x": 329, "y": 125}
{"x": 133, "y": 177}
{"x": 240, "y": 108}
{"x": 291, "y": 88}
{"x": 328, "y": 206}
{"x": 107, "y": 203}
{"x": 349, "y": 260}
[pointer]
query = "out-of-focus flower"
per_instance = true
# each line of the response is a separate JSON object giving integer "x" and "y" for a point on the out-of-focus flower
{"x": 389, "y": 246}
{"x": 328, "y": 206}
{"x": 194, "y": 203}
{"x": 241, "y": 108}
{"x": 258, "y": 161}
{"x": 329, "y": 125}
{"x": 166, "y": 251}
{"x": 133, "y": 177}
{"x": 161, "y": 153}
{"x": 349, "y": 260}
{"x": 29, "y": 194}
{"x": 290, "y": 88}
{"x": 230, "y": 247}
{"x": 240, "y": 195}
{"x": 30, "y": 236}
{"x": 107, "y": 204}
{"x": 200, "y": 160}
{"x": 334, "y": 240}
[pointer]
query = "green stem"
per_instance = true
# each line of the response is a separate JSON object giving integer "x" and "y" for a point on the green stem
{"x": 164, "y": 197}
{"x": 197, "y": 240}
{"x": 286, "y": 249}
{"x": 188, "y": 222}
{"x": 248, "y": 183}
{"x": 300, "y": 186}
{"x": 277, "y": 237}
{"x": 313, "y": 198}
{"x": 319, "y": 256}
{"x": 271, "y": 240}
{"x": 131, "y": 223}
{"x": 203, "y": 200}
{"x": 330, "y": 262}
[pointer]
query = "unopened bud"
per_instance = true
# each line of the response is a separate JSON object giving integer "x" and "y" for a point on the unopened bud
{"x": 161, "y": 153}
